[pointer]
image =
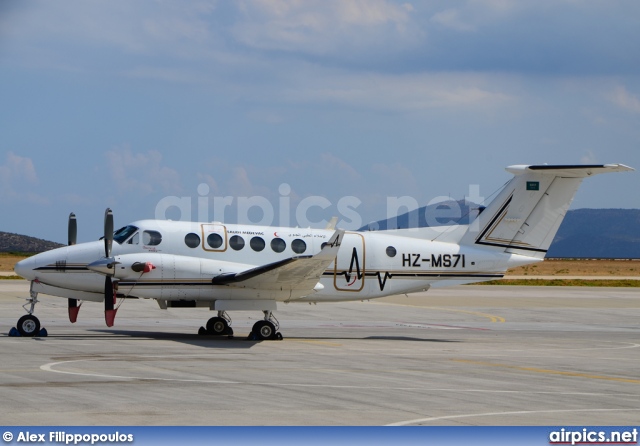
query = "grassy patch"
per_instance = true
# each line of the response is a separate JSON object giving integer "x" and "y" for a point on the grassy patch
{"x": 8, "y": 260}
{"x": 14, "y": 277}
{"x": 564, "y": 282}
{"x": 579, "y": 267}
{"x": 17, "y": 254}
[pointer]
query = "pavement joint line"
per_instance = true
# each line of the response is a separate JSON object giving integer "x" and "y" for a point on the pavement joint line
{"x": 491, "y": 317}
{"x": 489, "y": 414}
{"x": 49, "y": 368}
{"x": 550, "y": 372}
{"x": 311, "y": 341}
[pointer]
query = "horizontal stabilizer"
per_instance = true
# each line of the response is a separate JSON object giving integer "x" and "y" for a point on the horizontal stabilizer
{"x": 569, "y": 171}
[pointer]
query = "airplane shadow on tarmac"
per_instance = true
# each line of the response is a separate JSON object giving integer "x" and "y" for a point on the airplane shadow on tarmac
{"x": 237, "y": 342}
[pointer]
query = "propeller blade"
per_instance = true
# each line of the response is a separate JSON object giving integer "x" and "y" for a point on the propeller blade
{"x": 108, "y": 232}
{"x": 109, "y": 298}
{"x": 72, "y": 232}
{"x": 74, "y": 308}
{"x": 108, "y": 294}
{"x": 73, "y": 229}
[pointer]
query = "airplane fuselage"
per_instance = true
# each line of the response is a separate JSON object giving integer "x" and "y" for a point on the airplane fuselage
{"x": 187, "y": 255}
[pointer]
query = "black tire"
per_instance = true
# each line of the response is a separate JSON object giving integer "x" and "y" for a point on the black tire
{"x": 28, "y": 326}
{"x": 217, "y": 326}
{"x": 264, "y": 330}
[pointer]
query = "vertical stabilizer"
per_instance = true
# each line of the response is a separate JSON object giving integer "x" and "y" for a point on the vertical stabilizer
{"x": 526, "y": 215}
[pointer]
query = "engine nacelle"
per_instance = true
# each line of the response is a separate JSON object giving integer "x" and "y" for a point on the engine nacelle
{"x": 150, "y": 266}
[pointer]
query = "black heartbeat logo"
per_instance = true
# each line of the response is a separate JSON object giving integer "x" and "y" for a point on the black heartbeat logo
{"x": 354, "y": 265}
{"x": 355, "y": 261}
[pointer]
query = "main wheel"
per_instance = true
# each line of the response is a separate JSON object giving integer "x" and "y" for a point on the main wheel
{"x": 28, "y": 325}
{"x": 217, "y": 326}
{"x": 264, "y": 330}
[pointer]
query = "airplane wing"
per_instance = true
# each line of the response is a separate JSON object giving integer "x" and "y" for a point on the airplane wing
{"x": 300, "y": 274}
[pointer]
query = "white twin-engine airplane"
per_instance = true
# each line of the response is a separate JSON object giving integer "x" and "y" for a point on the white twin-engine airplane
{"x": 241, "y": 267}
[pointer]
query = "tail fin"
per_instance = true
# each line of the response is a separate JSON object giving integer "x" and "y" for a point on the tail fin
{"x": 526, "y": 215}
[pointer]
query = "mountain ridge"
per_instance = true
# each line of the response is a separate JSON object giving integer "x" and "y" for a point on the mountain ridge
{"x": 584, "y": 233}
{"x": 10, "y": 242}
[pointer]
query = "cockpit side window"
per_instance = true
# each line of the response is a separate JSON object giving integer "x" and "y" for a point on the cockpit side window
{"x": 135, "y": 239}
{"x": 122, "y": 234}
{"x": 151, "y": 238}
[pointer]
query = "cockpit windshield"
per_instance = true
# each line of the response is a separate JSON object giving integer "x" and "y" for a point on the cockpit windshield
{"x": 122, "y": 234}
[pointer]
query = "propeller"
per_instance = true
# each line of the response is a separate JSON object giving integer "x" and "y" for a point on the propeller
{"x": 107, "y": 266}
{"x": 109, "y": 295}
{"x": 72, "y": 232}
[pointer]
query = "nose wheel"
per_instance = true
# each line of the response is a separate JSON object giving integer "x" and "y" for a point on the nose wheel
{"x": 28, "y": 325}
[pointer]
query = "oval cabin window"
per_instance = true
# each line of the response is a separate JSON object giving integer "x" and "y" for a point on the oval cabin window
{"x": 236, "y": 242}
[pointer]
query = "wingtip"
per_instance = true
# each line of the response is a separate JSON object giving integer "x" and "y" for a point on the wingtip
{"x": 620, "y": 167}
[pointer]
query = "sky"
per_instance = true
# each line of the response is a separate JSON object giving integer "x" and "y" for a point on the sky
{"x": 291, "y": 111}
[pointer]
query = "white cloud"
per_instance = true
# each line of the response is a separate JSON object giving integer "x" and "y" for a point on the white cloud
{"x": 19, "y": 167}
{"x": 495, "y": 6}
{"x": 475, "y": 15}
{"x": 148, "y": 28}
{"x": 209, "y": 181}
{"x": 337, "y": 166}
{"x": 397, "y": 176}
{"x": 624, "y": 99}
{"x": 18, "y": 178}
{"x": 320, "y": 26}
{"x": 589, "y": 158}
{"x": 141, "y": 173}
{"x": 450, "y": 18}
{"x": 400, "y": 93}
{"x": 240, "y": 183}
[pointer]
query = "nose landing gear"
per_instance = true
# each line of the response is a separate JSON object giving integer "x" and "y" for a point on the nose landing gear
{"x": 29, "y": 325}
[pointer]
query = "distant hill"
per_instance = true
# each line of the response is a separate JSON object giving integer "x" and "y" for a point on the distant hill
{"x": 598, "y": 233}
{"x": 21, "y": 243}
{"x": 439, "y": 214}
{"x": 584, "y": 233}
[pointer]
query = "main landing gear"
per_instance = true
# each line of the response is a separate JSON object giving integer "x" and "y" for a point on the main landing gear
{"x": 29, "y": 325}
{"x": 266, "y": 329}
{"x": 263, "y": 330}
{"x": 218, "y": 326}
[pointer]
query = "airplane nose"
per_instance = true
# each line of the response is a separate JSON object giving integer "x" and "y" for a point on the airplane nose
{"x": 24, "y": 268}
